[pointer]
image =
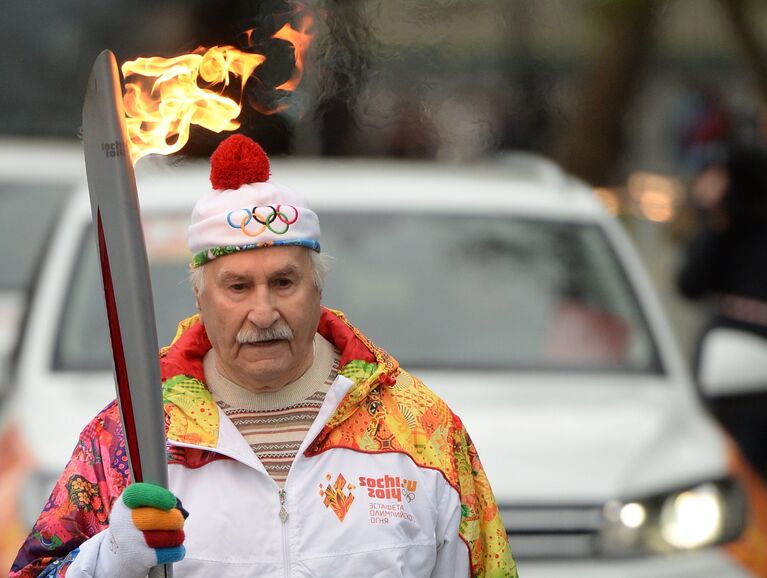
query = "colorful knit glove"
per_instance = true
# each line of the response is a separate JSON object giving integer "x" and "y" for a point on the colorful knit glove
{"x": 145, "y": 530}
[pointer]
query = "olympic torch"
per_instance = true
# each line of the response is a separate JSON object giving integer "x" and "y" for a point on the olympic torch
{"x": 125, "y": 275}
{"x": 118, "y": 129}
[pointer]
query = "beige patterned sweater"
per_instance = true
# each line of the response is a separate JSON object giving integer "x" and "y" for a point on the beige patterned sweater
{"x": 275, "y": 423}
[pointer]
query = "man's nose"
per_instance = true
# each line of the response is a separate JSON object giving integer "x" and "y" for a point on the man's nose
{"x": 262, "y": 312}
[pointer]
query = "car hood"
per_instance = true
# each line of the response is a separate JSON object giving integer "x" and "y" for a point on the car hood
{"x": 583, "y": 439}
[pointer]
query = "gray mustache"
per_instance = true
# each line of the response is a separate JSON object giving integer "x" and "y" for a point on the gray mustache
{"x": 282, "y": 332}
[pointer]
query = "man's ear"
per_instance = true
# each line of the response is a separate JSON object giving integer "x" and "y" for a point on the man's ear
{"x": 199, "y": 310}
{"x": 197, "y": 303}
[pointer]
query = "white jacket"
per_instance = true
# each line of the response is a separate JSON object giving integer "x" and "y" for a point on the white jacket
{"x": 386, "y": 483}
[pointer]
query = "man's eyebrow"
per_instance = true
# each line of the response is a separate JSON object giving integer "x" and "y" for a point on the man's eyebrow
{"x": 285, "y": 271}
{"x": 231, "y": 277}
{"x": 226, "y": 277}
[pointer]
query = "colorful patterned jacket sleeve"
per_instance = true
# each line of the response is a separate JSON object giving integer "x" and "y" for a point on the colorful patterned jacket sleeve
{"x": 481, "y": 527}
{"x": 79, "y": 505}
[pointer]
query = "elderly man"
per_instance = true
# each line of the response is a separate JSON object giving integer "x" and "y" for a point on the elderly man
{"x": 298, "y": 446}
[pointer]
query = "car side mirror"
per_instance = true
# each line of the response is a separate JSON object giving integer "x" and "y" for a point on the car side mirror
{"x": 732, "y": 362}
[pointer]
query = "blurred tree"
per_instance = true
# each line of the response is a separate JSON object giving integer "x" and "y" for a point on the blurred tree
{"x": 590, "y": 142}
{"x": 590, "y": 139}
{"x": 527, "y": 122}
{"x": 738, "y": 12}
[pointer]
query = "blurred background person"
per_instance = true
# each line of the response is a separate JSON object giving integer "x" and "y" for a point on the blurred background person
{"x": 726, "y": 264}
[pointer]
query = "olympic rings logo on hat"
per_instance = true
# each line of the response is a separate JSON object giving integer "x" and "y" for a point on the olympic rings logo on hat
{"x": 271, "y": 218}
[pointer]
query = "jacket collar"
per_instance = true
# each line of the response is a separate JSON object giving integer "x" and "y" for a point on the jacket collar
{"x": 192, "y": 416}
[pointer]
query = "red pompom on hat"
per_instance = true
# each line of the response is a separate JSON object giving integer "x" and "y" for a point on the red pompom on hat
{"x": 238, "y": 161}
{"x": 245, "y": 210}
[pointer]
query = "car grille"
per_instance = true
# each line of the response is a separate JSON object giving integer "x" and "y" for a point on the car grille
{"x": 553, "y": 532}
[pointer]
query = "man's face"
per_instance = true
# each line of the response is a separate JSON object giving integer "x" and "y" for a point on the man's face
{"x": 264, "y": 296}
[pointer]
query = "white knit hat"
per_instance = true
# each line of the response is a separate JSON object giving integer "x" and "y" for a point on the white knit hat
{"x": 246, "y": 211}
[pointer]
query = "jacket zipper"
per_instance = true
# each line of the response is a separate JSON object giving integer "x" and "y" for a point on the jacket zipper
{"x": 285, "y": 542}
{"x": 283, "y": 514}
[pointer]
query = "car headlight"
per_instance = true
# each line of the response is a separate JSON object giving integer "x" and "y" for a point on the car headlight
{"x": 704, "y": 515}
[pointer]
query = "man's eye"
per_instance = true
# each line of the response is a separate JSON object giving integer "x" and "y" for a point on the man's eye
{"x": 284, "y": 283}
{"x": 237, "y": 287}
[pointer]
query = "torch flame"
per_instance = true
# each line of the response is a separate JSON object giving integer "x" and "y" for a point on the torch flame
{"x": 162, "y": 97}
{"x": 300, "y": 39}
{"x": 165, "y": 96}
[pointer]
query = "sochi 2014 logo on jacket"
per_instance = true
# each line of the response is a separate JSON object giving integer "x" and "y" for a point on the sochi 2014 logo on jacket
{"x": 386, "y": 496}
{"x": 389, "y": 488}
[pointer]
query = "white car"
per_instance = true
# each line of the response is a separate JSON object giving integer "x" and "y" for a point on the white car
{"x": 35, "y": 178}
{"x": 514, "y": 296}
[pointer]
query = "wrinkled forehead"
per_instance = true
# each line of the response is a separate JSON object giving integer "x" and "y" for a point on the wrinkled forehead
{"x": 262, "y": 262}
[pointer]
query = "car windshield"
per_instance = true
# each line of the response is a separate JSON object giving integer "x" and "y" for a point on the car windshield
{"x": 434, "y": 290}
